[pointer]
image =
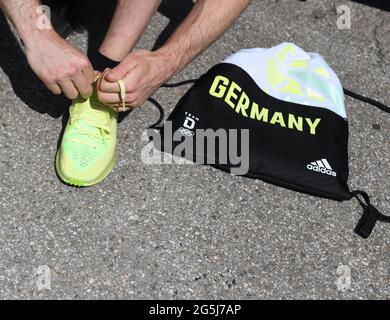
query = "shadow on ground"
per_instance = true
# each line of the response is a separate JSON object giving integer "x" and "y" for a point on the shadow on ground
{"x": 379, "y": 4}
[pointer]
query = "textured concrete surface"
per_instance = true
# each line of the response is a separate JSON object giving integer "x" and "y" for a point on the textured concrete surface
{"x": 174, "y": 231}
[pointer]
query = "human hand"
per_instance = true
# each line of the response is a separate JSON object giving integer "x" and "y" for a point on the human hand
{"x": 142, "y": 72}
{"x": 61, "y": 67}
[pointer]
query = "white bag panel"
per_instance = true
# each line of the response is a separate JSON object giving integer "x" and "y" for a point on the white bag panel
{"x": 288, "y": 73}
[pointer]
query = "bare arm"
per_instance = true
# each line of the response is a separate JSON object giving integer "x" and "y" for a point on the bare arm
{"x": 144, "y": 71}
{"x": 128, "y": 24}
{"x": 23, "y": 14}
{"x": 205, "y": 24}
{"x": 60, "y": 66}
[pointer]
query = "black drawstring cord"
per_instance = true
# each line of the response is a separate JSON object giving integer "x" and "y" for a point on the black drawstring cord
{"x": 159, "y": 107}
{"x": 381, "y": 217}
{"x": 373, "y": 102}
{"x": 178, "y": 84}
{"x": 370, "y": 215}
{"x": 161, "y": 117}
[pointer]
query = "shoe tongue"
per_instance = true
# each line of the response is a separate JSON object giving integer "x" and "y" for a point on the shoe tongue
{"x": 88, "y": 128}
{"x": 91, "y": 113}
{"x": 87, "y": 133}
{"x": 91, "y": 116}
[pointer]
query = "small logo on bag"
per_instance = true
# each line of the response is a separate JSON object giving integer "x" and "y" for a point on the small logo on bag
{"x": 321, "y": 166}
{"x": 188, "y": 125}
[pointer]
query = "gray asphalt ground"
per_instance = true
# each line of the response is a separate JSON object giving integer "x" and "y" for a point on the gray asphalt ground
{"x": 189, "y": 231}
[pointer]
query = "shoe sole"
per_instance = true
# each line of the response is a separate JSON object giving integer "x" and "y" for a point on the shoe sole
{"x": 80, "y": 183}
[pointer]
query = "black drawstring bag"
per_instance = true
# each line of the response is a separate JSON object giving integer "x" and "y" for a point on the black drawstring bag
{"x": 290, "y": 106}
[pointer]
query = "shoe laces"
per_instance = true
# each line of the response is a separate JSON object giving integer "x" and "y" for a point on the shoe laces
{"x": 90, "y": 124}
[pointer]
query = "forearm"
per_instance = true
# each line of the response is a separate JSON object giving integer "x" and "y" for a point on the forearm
{"x": 128, "y": 24}
{"x": 23, "y": 15}
{"x": 208, "y": 20}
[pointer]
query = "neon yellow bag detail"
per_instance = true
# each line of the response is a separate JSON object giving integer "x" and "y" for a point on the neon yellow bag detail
{"x": 288, "y": 73}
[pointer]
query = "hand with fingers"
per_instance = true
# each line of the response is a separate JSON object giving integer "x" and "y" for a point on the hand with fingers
{"x": 61, "y": 67}
{"x": 142, "y": 73}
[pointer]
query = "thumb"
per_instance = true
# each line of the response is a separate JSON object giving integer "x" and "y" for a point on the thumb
{"x": 119, "y": 72}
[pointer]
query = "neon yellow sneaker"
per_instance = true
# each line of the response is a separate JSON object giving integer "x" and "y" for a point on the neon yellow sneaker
{"x": 87, "y": 152}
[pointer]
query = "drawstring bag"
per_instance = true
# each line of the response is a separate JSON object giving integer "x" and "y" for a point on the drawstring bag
{"x": 286, "y": 108}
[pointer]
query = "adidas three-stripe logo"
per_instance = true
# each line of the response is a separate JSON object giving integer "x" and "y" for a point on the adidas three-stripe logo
{"x": 321, "y": 166}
